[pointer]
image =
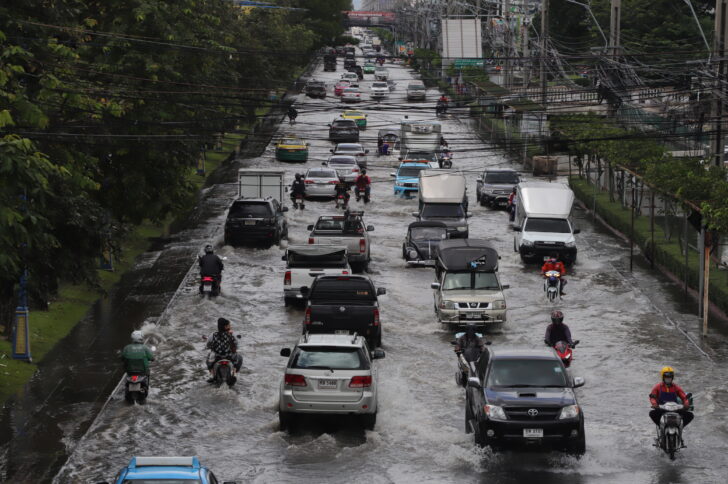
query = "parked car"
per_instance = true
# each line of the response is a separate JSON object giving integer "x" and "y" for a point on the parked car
{"x": 343, "y": 130}
{"x": 346, "y": 167}
{"x": 340, "y": 86}
{"x": 407, "y": 177}
{"x": 358, "y": 116}
{"x": 379, "y": 90}
{"x": 351, "y": 95}
{"x": 321, "y": 182}
{"x": 524, "y": 397}
{"x": 255, "y": 220}
{"x": 349, "y": 230}
{"x": 344, "y": 304}
{"x": 494, "y": 187}
{"x": 162, "y": 469}
{"x": 290, "y": 148}
{"x": 416, "y": 91}
{"x": 468, "y": 291}
{"x": 368, "y": 68}
{"x": 422, "y": 242}
{"x": 329, "y": 374}
{"x": 304, "y": 263}
{"x": 353, "y": 149}
{"x": 316, "y": 88}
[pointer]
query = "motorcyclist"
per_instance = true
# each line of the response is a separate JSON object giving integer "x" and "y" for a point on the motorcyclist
{"x": 292, "y": 114}
{"x": 668, "y": 391}
{"x": 512, "y": 199}
{"x": 557, "y": 330}
{"x": 136, "y": 356}
{"x": 441, "y": 107}
{"x": 298, "y": 187}
{"x": 342, "y": 188}
{"x": 362, "y": 183}
{"x": 210, "y": 265}
{"x": 222, "y": 345}
{"x": 554, "y": 264}
{"x": 469, "y": 340}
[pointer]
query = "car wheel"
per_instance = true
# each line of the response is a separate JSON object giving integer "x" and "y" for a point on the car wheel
{"x": 368, "y": 421}
{"x": 578, "y": 446}
{"x": 478, "y": 437}
{"x": 285, "y": 420}
{"x": 468, "y": 416}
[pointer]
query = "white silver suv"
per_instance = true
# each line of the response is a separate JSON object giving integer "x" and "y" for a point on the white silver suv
{"x": 329, "y": 374}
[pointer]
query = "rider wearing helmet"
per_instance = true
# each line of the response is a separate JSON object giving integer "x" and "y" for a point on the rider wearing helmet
{"x": 554, "y": 264}
{"x": 210, "y": 265}
{"x": 298, "y": 187}
{"x": 222, "y": 345}
{"x": 512, "y": 198}
{"x": 362, "y": 183}
{"x": 557, "y": 330}
{"x": 469, "y": 339}
{"x": 668, "y": 391}
{"x": 136, "y": 355}
{"x": 292, "y": 113}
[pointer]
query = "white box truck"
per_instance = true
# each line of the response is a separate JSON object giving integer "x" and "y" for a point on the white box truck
{"x": 443, "y": 198}
{"x": 543, "y": 222}
{"x": 259, "y": 183}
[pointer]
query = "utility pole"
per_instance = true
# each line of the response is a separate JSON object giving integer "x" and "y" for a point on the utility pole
{"x": 544, "y": 36}
{"x": 719, "y": 53}
{"x": 507, "y": 41}
{"x": 526, "y": 54}
{"x": 615, "y": 28}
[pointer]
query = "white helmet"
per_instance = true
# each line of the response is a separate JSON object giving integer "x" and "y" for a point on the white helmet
{"x": 137, "y": 336}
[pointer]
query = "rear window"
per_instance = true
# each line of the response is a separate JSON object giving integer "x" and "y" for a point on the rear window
{"x": 328, "y": 261}
{"x": 342, "y": 161}
{"x": 255, "y": 210}
{"x": 340, "y": 225}
{"x": 343, "y": 289}
{"x": 344, "y": 124}
{"x": 329, "y": 358}
{"x": 502, "y": 178}
{"x": 320, "y": 173}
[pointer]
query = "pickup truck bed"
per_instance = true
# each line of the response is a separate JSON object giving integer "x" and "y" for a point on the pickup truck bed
{"x": 351, "y": 233}
{"x": 306, "y": 262}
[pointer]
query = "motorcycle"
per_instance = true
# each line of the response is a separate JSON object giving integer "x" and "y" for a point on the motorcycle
{"x": 669, "y": 432}
{"x": 441, "y": 109}
{"x": 298, "y": 201}
{"x": 362, "y": 194}
{"x": 445, "y": 160}
{"x": 210, "y": 286}
{"x": 342, "y": 200}
{"x": 223, "y": 370}
{"x": 552, "y": 285}
{"x": 564, "y": 350}
{"x": 466, "y": 360}
{"x": 136, "y": 389}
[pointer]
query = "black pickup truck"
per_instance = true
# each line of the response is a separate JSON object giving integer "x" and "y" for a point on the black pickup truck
{"x": 344, "y": 304}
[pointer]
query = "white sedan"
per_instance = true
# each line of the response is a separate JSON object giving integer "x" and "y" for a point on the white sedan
{"x": 379, "y": 89}
{"x": 321, "y": 182}
{"x": 346, "y": 167}
{"x": 351, "y": 95}
{"x": 352, "y": 149}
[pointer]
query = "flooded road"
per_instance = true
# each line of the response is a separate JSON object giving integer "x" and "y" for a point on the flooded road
{"x": 626, "y": 324}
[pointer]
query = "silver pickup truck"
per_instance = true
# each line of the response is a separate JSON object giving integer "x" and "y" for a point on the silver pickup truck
{"x": 304, "y": 263}
{"x": 348, "y": 230}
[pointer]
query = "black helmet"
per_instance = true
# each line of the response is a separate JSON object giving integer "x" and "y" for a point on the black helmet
{"x": 208, "y": 249}
{"x": 221, "y": 323}
{"x": 470, "y": 332}
{"x": 363, "y": 171}
{"x": 298, "y": 176}
{"x": 557, "y": 317}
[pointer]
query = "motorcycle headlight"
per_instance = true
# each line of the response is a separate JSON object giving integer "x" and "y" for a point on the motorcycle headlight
{"x": 448, "y": 305}
{"x": 463, "y": 228}
{"x": 494, "y": 412}
{"x": 570, "y": 244}
{"x": 499, "y": 304}
{"x": 527, "y": 243}
{"x": 572, "y": 411}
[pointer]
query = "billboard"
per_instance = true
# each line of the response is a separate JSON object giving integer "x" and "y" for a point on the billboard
{"x": 461, "y": 38}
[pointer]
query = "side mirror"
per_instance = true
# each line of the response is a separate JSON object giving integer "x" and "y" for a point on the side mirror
{"x": 392, "y": 174}
{"x": 516, "y": 229}
{"x": 578, "y": 382}
{"x": 304, "y": 291}
{"x": 370, "y": 228}
{"x": 324, "y": 163}
{"x": 488, "y": 343}
{"x": 576, "y": 231}
{"x": 329, "y": 125}
{"x": 381, "y": 291}
{"x": 284, "y": 257}
{"x": 474, "y": 383}
{"x": 230, "y": 482}
{"x": 415, "y": 214}
{"x": 286, "y": 352}
{"x": 435, "y": 285}
{"x": 284, "y": 209}
{"x": 309, "y": 227}
{"x": 366, "y": 151}
{"x": 576, "y": 342}
{"x": 468, "y": 214}
{"x": 505, "y": 286}
{"x": 238, "y": 336}
{"x": 453, "y": 342}
{"x": 204, "y": 337}
{"x": 377, "y": 354}
{"x": 399, "y": 158}
{"x": 331, "y": 150}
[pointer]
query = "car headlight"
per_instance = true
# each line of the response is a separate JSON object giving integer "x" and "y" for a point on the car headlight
{"x": 399, "y": 184}
{"x": 499, "y": 304}
{"x": 412, "y": 254}
{"x": 494, "y": 412}
{"x": 570, "y": 244}
{"x": 463, "y": 229}
{"x": 572, "y": 411}
{"x": 448, "y": 305}
{"x": 527, "y": 243}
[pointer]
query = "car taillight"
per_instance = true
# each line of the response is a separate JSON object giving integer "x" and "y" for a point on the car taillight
{"x": 310, "y": 240}
{"x": 344, "y": 272}
{"x": 355, "y": 170}
{"x": 333, "y": 182}
{"x": 287, "y": 279}
{"x": 295, "y": 380}
{"x": 307, "y": 316}
{"x": 134, "y": 378}
{"x": 362, "y": 245}
{"x": 361, "y": 382}
{"x": 308, "y": 182}
{"x": 376, "y": 317}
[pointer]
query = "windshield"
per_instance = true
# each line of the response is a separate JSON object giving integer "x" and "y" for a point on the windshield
{"x": 292, "y": 141}
{"x": 416, "y": 87}
{"x": 428, "y": 233}
{"x": 501, "y": 178}
{"x": 379, "y": 84}
{"x": 321, "y": 174}
{"x": 526, "y": 373}
{"x": 344, "y": 124}
{"x": 250, "y": 210}
{"x": 162, "y": 481}
{"x": 342, "y": 160}
{"x": 344, "y": 148}
{"x": 443, "y": 211}
{"x": 548, "y": 225}
{"x": 421, "y": 155}
{"x": 470, "y": 280}
{"x": 410, "y": 171}
{"x": 341, "y": 225}
{"x": 343, "y": 289}
{"x": 326, "y": 357}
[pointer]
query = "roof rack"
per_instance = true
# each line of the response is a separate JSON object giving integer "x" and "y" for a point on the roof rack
{"x": 354, "y": 337}
{"x": 190, "y": 461}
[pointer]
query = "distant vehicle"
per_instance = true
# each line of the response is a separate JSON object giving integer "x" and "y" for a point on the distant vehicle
{"x": 419, "y": 135}
{"x": 443, "y": 198}
{"x": 422, "y": 242}
{"x": 343, "y": 130}
{"x": 350, "y": 76}
{"x": 351, "y": 95}
{"x": 304, "y": 263}
{"x": 524, "y": 397}
{"x": 321, "y": 182}
{"x": 315, "y": 89}
{"x": 407, "y": 177}
{"x": 163, "y": 469}
{"x": 329, "y": 374}
{"x": 349, "y": 230}
{"x": 251, "y": 221}
{"x": 291, "y": 149}
{"x": 352, "y": 149}
{"x": 368, "y": 68}
{"x": 346, "y": 167}
{"x": 358, "y": 116}
{"x": 494, "y": 187}
{"x": 340, "y": 86}
{"x": 416, "y": 91}
{"x": 379, "y": 90}
{"x": 381, "y": 73}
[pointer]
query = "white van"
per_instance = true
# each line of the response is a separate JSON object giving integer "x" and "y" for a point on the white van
{"x": 443, "y": 198}
{"x": 543, "y": 222}
{"x": 416, "y": 91}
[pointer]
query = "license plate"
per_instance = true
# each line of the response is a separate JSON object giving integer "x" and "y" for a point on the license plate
{"x": 473, "y": 315}
{"x": 250, "y": 222}
{"x": 533, "y": 433}
{"x": 207, "y": 287}
{"x": 291, "y": 151}
{"x": 327, "y": 384}
{"x": 341, "y": 331}
{"x": 135, "y": 387}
